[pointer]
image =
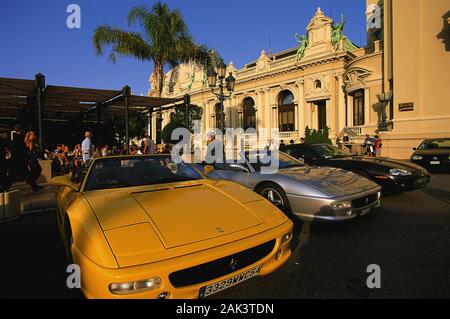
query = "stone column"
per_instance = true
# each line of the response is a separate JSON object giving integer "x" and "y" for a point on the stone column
{"x": 300, "y": 117}
{"x": 329, "y": 120}
{"x": 340, "y": 104}
{"x": 259, "y": 109}
{"x": 350, "y": 110}
{"x": 267, "y": 112}
{"x": 367, "y": 106}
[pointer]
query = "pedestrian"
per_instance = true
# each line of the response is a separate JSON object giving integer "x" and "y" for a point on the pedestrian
{"x": 282, "y": 144}
{"x": 377, "y": 146}
{"x": 368, "y": 146}
{"x": 105, "y": 150}
{"x": 87, "y": 148}
{"x": 34, "y": 168}
{"x": 291, "y": 142}
{"x": 147, "y": 145}
{"x": 302, "y": 140}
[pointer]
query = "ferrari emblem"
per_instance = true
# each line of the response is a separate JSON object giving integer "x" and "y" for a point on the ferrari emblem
{"x": 220, "y": 230}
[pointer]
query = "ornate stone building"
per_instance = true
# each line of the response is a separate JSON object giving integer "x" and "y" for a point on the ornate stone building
{"x": 329, "y": 83}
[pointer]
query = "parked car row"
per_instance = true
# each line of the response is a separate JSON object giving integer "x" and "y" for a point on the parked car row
{"x": 148, "y": 227}
{"x": 394, "y": 176}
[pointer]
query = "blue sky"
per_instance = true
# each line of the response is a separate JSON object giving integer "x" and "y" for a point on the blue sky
{"x": 34, "y": 37}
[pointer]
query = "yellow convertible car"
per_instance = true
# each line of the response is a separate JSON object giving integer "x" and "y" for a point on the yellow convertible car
{"x": 146, "y": 227}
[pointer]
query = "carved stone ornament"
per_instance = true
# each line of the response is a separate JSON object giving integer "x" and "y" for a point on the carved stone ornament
{"x": 263, "y": 61}
{"x": 317, "y": 86}
{"x": 355, "y": 79}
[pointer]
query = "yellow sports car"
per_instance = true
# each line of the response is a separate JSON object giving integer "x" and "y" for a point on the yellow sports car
{"x": 147, "y": 227}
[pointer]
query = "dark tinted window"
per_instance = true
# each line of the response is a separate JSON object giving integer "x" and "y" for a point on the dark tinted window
{"x": 435, "y": 144}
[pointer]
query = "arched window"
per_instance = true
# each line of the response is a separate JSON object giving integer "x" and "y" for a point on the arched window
{"x": 286, "y": 110}
{"x": 218, "y": 116}
{"x": 249, "y": 113}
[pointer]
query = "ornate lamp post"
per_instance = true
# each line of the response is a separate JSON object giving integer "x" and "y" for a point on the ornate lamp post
{"x": 227, "y": 83}
{"x": 384, "y": 99}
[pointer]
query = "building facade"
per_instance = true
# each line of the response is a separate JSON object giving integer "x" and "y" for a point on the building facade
{"x": 329, "y": 82}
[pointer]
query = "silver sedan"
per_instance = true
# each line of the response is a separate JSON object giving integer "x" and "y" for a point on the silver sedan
{"x": 309, "y": 192}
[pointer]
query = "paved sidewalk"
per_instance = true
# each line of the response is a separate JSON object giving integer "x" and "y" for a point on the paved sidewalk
{"x": 42, "y": 200}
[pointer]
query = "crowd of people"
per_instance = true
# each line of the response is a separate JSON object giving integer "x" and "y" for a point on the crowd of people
{"x": 19, "y": 157}
{"x": 19, "y": 160}
{"x": 65, "y": 160}
{"x": 372, "y": 146}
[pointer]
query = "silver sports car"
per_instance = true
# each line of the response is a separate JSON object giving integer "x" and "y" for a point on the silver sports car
{"x": 309, "y": 192}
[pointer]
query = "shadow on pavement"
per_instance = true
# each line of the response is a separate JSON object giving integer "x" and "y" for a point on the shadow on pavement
{"x": 32, "y": 263}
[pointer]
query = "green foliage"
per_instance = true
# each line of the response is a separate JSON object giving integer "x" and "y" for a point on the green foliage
{"x": 164, "y": 39}
{"x": 166, "y": 134}
{"x": 178, "y": 120}
{"x": 314, "y": 136}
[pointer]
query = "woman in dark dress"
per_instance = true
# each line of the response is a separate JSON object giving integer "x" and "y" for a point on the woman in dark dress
{"x": 34, "y": 168}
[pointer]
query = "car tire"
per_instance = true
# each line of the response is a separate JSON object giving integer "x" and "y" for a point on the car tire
{"x": 276, "y": 195}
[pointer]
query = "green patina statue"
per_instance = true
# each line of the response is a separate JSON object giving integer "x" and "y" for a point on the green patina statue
{"x": 303, "y": 40}
{"x": 337, "y": 33}
{"x": 192, "y": 77}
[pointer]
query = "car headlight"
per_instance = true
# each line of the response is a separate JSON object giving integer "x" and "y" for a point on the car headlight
{"x": 416, "y": 157}
{"x": 286, "y": 237}
{"x": 343, "y": 204}
{"x": 133, "y": 287}
{"x": 399, "y": 172}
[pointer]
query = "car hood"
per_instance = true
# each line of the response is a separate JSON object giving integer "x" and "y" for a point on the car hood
{"x": 387, "y": 162}
{"x": 332, "y": 181}
{"x": 145, "y": 225}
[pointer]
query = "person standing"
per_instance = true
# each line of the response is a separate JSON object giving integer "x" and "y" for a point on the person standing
{"x": 148, "y": 146}
{"x": 34, "y": 168}
{"x": 377, "y": 146}
{"x": 87, "y": 148}
{"x": 368, "y": 146}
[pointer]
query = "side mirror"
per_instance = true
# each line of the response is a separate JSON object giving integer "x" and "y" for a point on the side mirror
{"x": 301, "y": 160}
{"x": 208, "y": 169}
{"x": 63, "y": 181}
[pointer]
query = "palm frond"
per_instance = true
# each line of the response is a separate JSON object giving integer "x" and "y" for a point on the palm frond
{"x": 121, "y": 43}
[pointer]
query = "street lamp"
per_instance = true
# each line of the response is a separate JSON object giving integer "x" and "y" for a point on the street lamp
{"x": 384, "y": 99}
{"x": 227, "y": 83}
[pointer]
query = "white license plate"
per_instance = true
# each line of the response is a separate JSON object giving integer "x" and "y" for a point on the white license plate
{"x": 227, "y": 283}
{"x": 435, "y": 163}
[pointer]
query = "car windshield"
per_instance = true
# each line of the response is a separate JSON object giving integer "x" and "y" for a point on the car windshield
{"x": 117, "y": 172}
{"x": 263, "y": 159}
{"x": 329, "y": 151}
{"x": 435, "y": 144}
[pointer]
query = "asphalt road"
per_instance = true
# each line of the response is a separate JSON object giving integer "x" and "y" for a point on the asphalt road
{"x": 408, "y": 237}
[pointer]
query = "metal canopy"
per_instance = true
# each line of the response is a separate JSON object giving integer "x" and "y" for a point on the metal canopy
{"x": 21, "y": 98}
{"x": 59, "y": 101}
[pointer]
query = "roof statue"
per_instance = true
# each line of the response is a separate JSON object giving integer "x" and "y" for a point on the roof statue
{"x": 337, "y": 33}
{"x": 192, "y": 80}
{"x": 303, "y": 40}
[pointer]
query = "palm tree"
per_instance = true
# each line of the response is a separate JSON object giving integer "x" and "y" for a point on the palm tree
{"x": 165, "y": 40}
